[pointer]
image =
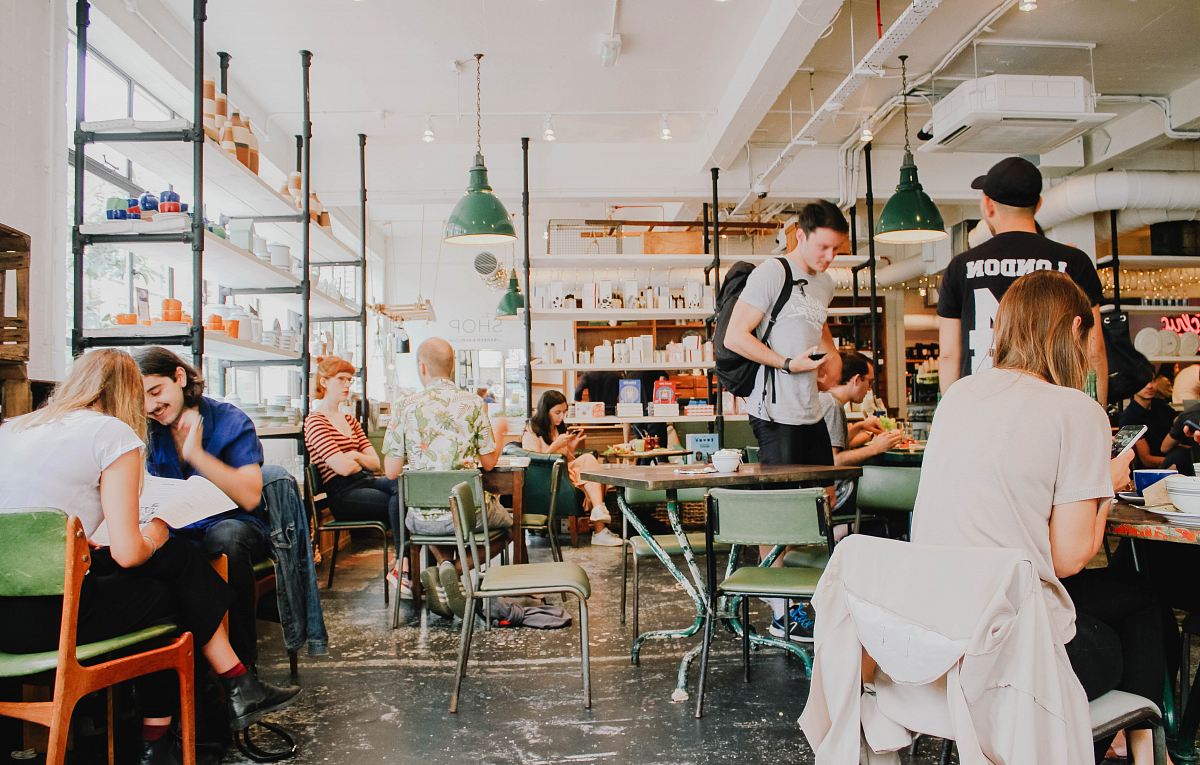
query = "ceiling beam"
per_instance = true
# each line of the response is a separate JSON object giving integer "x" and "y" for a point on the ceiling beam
{"x": 785, "y": 36}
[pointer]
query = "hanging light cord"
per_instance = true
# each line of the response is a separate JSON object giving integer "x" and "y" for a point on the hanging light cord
{"x": 904, "y": 99}
{"x": 478, "y": 107}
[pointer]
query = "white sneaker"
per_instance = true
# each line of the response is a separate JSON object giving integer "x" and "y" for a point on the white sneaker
{"x": 605, "y": 538}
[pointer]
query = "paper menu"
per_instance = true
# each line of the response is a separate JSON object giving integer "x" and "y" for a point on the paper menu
{"x": 177, "y": 503}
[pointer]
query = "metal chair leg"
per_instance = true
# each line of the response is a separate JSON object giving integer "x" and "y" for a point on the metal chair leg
{"x": 1185, "y": 669}
{"x": 400, "y": 558}
{"x": 1160, "y": 745}
{"x": 625, "y": 552}
{"x": 294, "y": 666}
{"x": 464, "y": 647}
{"x": 707, "y": 638}
{"x": 386, "y": 555}
{"x": 333, "y": 559}
{"x": 583, "y": 643}
{"x": 637, "y": 597}
{"x": 947, "y": 748}
{"x": 746, "y": 638}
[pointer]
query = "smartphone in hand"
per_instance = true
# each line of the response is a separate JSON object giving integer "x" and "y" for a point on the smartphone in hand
{"x": 1125, "y": 438}
{"x": 817, "y": 356}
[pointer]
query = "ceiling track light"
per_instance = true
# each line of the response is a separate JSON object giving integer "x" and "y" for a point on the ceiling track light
{"x": 1027, "y": 5}
{"x": 428, "y": 136}
{"x": 548, "y": 129}
{"x": 664, "y": 126}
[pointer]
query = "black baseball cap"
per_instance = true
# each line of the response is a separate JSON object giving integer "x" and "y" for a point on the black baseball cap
{"x": 1013, "y": 181}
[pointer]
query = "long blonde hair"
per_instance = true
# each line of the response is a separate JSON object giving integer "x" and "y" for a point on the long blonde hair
{"x": 106, "y": 380}
{"x": 1035, "y": 328}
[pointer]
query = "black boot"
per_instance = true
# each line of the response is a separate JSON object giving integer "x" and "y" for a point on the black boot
{"x": 251, "y": 698}
{"x": 163, "y": 751}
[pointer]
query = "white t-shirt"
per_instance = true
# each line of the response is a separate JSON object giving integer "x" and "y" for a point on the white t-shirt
{"x": 58, "y": 465}
{"x": 797, "y": 328}
{"x": 1004, "y": 449}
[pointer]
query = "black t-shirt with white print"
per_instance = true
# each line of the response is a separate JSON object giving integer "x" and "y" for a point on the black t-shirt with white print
{"x": 977, "y": 279}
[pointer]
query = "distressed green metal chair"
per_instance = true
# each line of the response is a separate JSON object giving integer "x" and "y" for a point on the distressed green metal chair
{"x": 510, "y": 581}
{"x": 768, "y": 517}
{"x": 318, "y": 500}
{"x": 638, "y": 549}
{"x": 44, "y": 552}
{"x": 431, "y": 489}
{"x": 889, "y": 490}
{"x": 543, "y": 484}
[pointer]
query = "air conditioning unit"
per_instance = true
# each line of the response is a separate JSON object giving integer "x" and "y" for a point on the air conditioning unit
{"x": 1014, "y": 114}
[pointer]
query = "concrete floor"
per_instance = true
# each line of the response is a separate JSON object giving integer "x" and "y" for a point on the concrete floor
{"x": 381, "y": 696}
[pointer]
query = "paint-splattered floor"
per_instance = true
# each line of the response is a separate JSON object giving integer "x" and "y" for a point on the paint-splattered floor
{"x": 381, "y": 696}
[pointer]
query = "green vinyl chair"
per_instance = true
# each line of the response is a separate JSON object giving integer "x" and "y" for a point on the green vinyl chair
{"x": 318, "y": 500}
{"x": 509, "y": 581}
{"x": 888, "y": 490}
{"x": 543, "y": 482}
{"x": 44, "y": 552}
{"x": 766, "y": 517}
{"x": 431, "y": 489}
{"x": 638, "y": 549}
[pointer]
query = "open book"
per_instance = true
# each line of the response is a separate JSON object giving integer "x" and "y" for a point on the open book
{"x": 177, "y": 503}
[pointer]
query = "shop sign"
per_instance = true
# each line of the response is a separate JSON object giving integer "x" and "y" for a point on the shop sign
{"x": 1187, "y": 322}
{"x": 483, "y": 331}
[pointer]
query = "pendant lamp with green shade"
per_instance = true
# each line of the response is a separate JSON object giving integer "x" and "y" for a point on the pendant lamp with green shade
{"x": 910, "y": 216}
{"x": 512, "y": 301}
{"x": 479, "y": 216}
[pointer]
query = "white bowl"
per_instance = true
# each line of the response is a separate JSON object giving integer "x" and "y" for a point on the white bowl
{"x": 726, "y": 463}
{"x": 1184, "y": 492}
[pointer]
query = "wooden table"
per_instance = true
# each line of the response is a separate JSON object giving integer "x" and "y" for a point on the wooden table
{"x": 1134, "y": 523}
{"x": 665, "y": 478}
{"x": 649, "y": 454}
{"x": 900, "y": 458}
{"x": 509, "y": 480}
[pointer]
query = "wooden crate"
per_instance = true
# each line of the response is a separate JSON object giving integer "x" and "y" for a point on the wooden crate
{"x": 672, "y": 242}
{"x": 15, "y": 397}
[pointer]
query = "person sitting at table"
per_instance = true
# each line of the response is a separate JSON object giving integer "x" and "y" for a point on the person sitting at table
{"x": 1018, "y": 457}
{"x": 1150, "y": 408}
{"x": 345, "y": 458}
{"x": 857, "y": 379}
{"x": 83, "y": 453}
{"x": 442, "y": 428}
{"x": 547, "y": 433}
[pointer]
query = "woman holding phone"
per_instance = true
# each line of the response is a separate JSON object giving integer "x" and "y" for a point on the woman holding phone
{"x": 547, "y": 433}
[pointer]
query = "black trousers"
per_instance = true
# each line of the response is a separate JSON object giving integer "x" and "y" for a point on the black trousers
{"x": 365, "y": 498}
{"x": 242, "y": 542}
{"x": 780, "y": 444}
{"x": 177, "y": 585}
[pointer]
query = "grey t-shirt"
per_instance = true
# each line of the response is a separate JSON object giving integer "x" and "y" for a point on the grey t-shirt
{"x": 834, "y": 415}
{"x": 797, "y": 329}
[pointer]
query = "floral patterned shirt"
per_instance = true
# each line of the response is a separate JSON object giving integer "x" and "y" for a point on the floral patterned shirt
{"x": 440, "y": 428}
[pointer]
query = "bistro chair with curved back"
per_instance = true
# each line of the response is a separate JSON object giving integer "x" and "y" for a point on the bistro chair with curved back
{"x": 431, "y": 489}
{"x": 639, "y": 549}
{"x": 318, "y": 500}
{"x": 44, "y": 552}
{"x": 568, "y": 500}
{"x": 740, "y": 517}
{"x": 888, "y": 490}
{"x": 514, "y": 580}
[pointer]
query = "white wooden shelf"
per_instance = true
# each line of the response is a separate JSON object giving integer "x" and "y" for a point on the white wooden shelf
{"x": 646, "y": 418}
{"x": 1166, "y": 310}
{"x": 840, "y": 261}
{"x": 217, "y": 345}
{"x": 1152, "y": 262}
{"x": 648, "y": 367}
{"x": 265, "y": 431}
{"x": 612, "y": 262}
{"x": 851, "y": 311}
{"x": 224, "y": 262}
{"x": 324, "y": 247}
{"x": 620, "y": 314}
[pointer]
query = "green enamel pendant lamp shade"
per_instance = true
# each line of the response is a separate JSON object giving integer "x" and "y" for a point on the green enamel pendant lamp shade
{"x": 479, "y": 216}
{"x": 910, "y": 216}
{"x": 512, "y": 301}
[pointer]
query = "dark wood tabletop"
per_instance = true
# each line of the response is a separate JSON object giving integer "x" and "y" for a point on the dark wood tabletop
{"x": 659, "y": 477}
{"x": 1125, "y": 520}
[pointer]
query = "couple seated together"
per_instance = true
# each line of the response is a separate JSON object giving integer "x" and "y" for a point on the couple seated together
{"x": 86, "y": 452}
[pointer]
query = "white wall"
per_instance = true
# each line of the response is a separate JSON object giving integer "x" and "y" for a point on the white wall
{"x": 33, "y": 164}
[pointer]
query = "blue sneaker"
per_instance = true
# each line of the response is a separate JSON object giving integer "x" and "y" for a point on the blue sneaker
{"x": 802, "y": 626}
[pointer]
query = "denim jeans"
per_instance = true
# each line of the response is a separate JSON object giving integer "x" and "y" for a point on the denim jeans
{"x": 300, "y": 611}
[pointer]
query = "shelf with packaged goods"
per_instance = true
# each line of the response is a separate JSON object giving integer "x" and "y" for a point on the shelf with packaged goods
{"x": 217, "y": 345}
{"x": 1151, "y": 262}
{"x": 636, "y": 420}
{"x": 324, "y": 247}
{"x": 618, "y": 314}
{"x": 640, "y": 367}
{"x": 1166, "y": 310}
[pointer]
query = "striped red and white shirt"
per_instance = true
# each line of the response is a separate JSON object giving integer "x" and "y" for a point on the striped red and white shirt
{"x": 324, "y": 440}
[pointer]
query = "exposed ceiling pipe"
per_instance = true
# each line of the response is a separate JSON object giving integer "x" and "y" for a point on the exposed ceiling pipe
{"x": 868, "y": 68}
{"x": 1162, "y": 102}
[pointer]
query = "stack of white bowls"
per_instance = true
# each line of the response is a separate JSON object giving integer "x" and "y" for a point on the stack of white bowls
{"x": 1184, "y": 492}
{"x": 727, "y": 460}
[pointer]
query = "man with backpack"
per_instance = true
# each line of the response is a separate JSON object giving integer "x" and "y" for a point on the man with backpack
{"x": 779, "y": 324}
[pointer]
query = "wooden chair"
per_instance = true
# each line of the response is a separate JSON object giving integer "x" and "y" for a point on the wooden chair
{"x": 44, "y": 552}
{"x": 318, "y": 500}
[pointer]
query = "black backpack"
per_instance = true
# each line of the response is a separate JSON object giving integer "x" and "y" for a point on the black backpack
{"x": 736, "y": 372}
{"x": 1128, "y": 370}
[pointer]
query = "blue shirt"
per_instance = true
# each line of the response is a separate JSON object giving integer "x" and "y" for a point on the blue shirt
{"x": 228, "y": 435}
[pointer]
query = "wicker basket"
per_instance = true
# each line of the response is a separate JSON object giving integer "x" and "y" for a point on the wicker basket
{"x": 691, "y": 514}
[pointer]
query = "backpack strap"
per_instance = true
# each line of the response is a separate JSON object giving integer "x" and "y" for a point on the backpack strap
{"x": 785, "y": 295}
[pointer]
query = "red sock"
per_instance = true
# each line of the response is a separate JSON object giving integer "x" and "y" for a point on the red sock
{"x": 237, "y": 670}
{"x": 154, "y": 732}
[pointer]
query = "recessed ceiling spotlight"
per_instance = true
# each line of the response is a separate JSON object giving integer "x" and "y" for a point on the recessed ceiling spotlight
{"x": 428, "y": 136}
{"x": 548, "y": 130}
{"x": 1027, "y": 5}
{"x": 664, "y": 127}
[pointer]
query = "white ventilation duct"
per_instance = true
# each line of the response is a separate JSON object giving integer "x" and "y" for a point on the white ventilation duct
{"x": 1141, "y": 196}
{"x": 909, "y": 268}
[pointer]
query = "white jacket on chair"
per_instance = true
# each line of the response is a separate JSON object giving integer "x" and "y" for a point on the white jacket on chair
{"x": 964, "y": 648}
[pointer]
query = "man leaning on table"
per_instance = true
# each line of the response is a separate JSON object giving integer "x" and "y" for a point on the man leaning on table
{"x": 442, "y": 428}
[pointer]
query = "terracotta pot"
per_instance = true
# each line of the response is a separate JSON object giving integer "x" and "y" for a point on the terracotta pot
{"x": 126, "y": 319}
{"x": 210, "y": 89}
{"x": 230, "y": 147}
{"x": 323, "y": 220}
{"x": 227, "y": 133}
{"x": 243, "y": 153}
{"x": 171, "y": 304}
{"x": 236, "y": 119}
{"x": 210, "y": 107}
{"x": 222, "y": 104}
{"x": 253, "y": 165}
{"x": 231, "y": 328}
{"x": 241, "y": 134}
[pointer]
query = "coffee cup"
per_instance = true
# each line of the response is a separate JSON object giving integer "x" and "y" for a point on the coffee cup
{"x": 1144, "y": 479}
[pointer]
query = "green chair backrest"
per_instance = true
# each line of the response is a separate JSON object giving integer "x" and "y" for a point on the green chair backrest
{"x": 33, "y": 549}
{"x": 464, "y": 513}
{"x": 751, "y": 454}
{"x": 884, "y": 487}
{"x": 769, "y": 517}
{"x": 536, "y": 498}
{"x": 431, "y": 488}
